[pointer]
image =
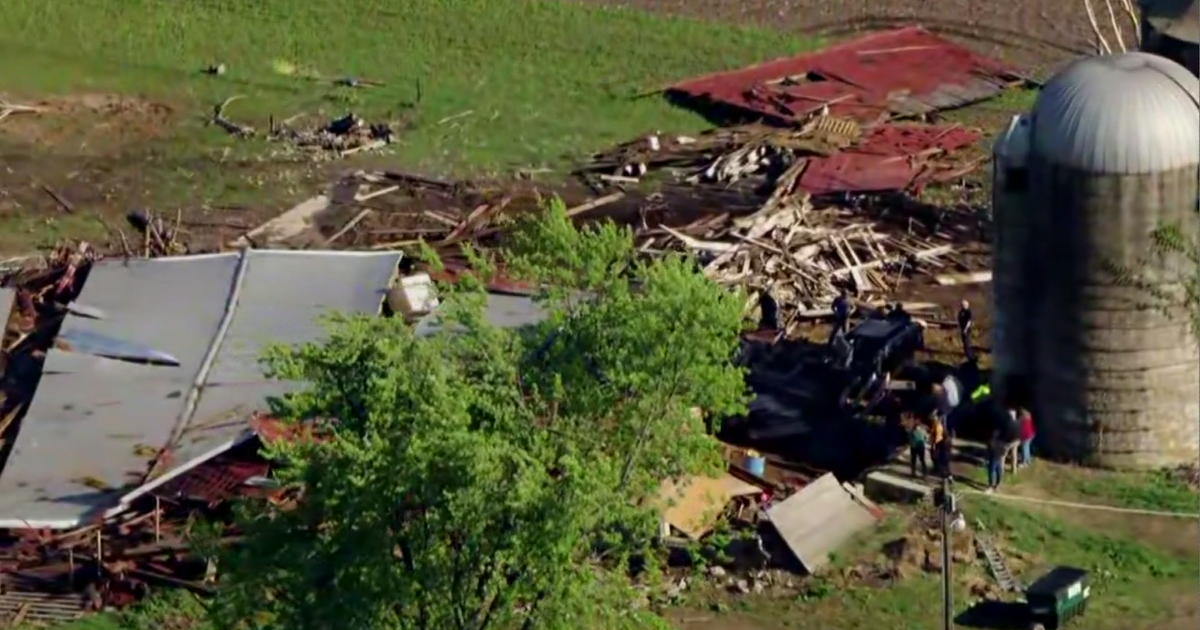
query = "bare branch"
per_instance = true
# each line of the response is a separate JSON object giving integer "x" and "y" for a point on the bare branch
{"x": 1132, "y": 16}
{"x": 1100, "y": 42}
{"x": 1112, "y": 20}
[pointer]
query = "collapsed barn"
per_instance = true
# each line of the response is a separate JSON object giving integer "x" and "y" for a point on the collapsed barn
{"x": 142, "y": 376}
{"x": 122, "y": 437}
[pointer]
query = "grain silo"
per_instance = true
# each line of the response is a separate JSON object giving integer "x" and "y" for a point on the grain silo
{"x": 1114, "y": 151}
{"x": 1014, "y": 265}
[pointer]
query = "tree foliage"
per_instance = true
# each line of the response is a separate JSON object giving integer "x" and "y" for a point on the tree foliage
{"x": 485, "y": 477}
{"x": 1170, "y": 274}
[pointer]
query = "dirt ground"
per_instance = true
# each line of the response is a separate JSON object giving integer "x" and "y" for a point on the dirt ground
{"x": 87, "y": 159}
{"x": 1036, "y": 34}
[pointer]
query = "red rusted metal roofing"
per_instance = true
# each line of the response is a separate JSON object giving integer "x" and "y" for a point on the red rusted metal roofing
{"x": 890, "y": 157}
{"x": 214, "y": 481}
{"x": 500, "y": 282}
{"x": 902, "y": 72}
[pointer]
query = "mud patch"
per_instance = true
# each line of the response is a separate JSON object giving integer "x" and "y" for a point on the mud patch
{"x": 94, "y": 123}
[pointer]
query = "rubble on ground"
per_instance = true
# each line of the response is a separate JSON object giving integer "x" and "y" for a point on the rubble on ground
{"x": 1186, "y": 474}
{"x": 800, "y": 248}
{"x": 336, "y": 138}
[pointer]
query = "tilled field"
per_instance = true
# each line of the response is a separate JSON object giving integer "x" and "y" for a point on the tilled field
{"x": 1036, "y": 34}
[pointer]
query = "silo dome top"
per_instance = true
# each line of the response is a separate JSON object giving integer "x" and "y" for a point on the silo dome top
{"x": 1128, "y": 113}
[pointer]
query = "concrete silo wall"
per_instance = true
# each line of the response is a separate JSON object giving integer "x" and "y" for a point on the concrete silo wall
{"x": 1118, "y": 382}
{"x": 1013, "y": 280}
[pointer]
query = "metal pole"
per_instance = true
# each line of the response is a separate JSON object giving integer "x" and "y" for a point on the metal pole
{"x": 947, "y": 592}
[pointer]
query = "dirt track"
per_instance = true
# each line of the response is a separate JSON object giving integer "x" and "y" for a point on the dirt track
{"x": 1036, "y": 34}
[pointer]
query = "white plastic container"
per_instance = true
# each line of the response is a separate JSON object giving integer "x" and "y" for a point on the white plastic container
{"x": 413, "y": 296}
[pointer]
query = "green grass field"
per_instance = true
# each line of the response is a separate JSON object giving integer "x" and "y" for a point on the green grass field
{"x": 528, "y": 81}
{"x": 1139, "y": 580}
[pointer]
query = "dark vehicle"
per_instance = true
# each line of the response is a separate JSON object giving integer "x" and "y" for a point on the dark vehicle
{"x": 879, "y": 346}
{"x": 1057, "y": 597}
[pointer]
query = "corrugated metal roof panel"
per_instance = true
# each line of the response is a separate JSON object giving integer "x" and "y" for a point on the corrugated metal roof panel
{"x": 98, "y": 422}
{"x": 503, "y": 310}
{"x": 904, "y": 71}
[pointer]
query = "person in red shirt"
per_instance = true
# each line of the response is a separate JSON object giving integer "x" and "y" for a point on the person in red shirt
{"x": 1028, "y": 432}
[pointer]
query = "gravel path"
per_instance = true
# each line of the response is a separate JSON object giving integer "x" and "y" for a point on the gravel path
{"x": 1036, "y": 34}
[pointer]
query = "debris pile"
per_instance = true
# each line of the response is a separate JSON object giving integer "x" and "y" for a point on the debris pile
{"x": 343, "y": 136}
{"x": 804, "y": 255}
{"x": 50, "y": 577}
{"x": 8, "y": 109}
{"x": 786, "y": 520}
{"x": 801, "y": 248}
{"x": 724, "y": 155}
{"x": 823, "y": 156}
{"x": 158, "y": 238}
{"x": 339, "y": 137}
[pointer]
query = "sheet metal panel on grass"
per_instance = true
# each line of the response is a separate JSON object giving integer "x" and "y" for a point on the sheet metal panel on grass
{"x": 819, "y": 519}
{"x": 96, "y": 423}
{"x": 901, "y": 72}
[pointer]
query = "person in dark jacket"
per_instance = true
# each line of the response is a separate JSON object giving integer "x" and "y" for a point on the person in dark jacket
{"x": 918, "y": 444}
{"x": 966, "y": 323}
{"x": 841, "y": 315}
{"x": 769, "y": 311}
{"x": 1004, "y": 439}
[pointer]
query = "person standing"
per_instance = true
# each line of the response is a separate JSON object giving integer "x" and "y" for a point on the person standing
{"x": 1010, "y": 432}
{"x": 1028, "y": 432}
{"x": 1005, "y": 438}
{"x": 941, "y": 446}
{"x": 768, "y": 311}
{"x": 966, "y": 323}
{"x": 841, "y": 315}
{"x": 995, "y": 462}
{"x": 918, "y": 443}
{"x": 947, "y": 397}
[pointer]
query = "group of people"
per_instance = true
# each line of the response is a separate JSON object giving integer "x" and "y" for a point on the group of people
{"x": 1011, "y": 441}
{"x": 928, "y": 439}
{"x": 1011, "y": 432}
{"x": 930, "y": 434}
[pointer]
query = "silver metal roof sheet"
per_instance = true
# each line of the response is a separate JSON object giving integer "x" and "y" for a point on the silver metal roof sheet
{"x": 1123, "y": 114}
{"x": 298, "y": 288}
{"x": 95, "y": 422}
{"x": 503, "y": 310}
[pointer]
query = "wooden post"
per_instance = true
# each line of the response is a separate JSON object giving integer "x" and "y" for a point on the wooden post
{"x": 157, "y": 518}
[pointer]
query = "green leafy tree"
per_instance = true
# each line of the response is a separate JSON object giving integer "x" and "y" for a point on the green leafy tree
{"x": 485, "y": 477}
{"x": 1170, "y": 274}
{"x": 1181, "y": 249}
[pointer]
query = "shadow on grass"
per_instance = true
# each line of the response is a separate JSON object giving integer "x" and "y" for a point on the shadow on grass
{"x": 993, "y": 615}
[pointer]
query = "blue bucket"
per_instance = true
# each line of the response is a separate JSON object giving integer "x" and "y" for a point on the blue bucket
{"x": 756, "y": 464}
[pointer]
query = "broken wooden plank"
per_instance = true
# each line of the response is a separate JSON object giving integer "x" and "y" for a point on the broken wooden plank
{"x": 956, "y": 279}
